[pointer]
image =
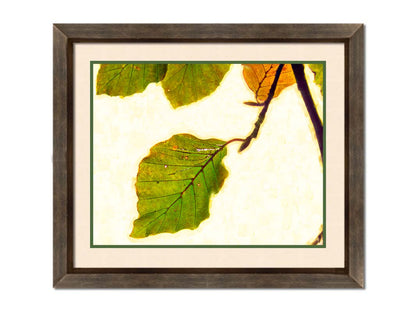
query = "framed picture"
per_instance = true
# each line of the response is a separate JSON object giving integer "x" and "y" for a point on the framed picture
{"x": 208, "y": 156}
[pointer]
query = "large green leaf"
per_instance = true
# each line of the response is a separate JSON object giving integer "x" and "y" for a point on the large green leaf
{"x": 318, "y": 70}
{"x": 175, "y": 182}
{"x": 128, "y": 79}
{"x": 187, "y": 83}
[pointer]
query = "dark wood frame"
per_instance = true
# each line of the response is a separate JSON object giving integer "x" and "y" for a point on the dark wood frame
{"x": 64, "y": 273}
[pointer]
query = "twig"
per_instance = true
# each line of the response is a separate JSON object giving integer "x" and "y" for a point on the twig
{"x": 299, "y": 71}
{"x": 263, "y": 112}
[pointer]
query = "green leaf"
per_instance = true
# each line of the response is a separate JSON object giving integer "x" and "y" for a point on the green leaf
{"x": 318, "y": 70}
{"x": 175, "y": 182}
{"x": 187, "y": 83}
{"x": 127, "y": 79}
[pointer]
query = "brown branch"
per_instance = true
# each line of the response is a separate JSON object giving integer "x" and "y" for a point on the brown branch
{"x": 263, "y": 112}
{"x": 319, "y": 238}
{"x": 299, "y": 71}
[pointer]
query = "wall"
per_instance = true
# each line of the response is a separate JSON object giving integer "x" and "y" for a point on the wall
{"x": 26, "y": 141}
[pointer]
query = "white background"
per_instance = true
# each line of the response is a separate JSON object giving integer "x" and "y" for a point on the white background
{"x": 148, "y": 118}
{"x": 26, "y": 153}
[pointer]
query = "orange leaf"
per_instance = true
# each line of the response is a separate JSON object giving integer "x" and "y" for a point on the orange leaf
{"x": 259, "y": 78}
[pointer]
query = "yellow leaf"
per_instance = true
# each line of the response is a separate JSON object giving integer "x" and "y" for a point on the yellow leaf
{"x": 259, "y": 78}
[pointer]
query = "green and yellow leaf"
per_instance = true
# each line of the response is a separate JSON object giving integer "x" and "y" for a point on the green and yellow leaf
{"x": 127, "y": 79}
{"x": 175, "y": 182}
{"x": 318, "y": 70}
{"x": 187, "y": 83}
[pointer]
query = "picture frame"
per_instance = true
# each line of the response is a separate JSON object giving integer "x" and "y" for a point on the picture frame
{"x": 66, "y": 275}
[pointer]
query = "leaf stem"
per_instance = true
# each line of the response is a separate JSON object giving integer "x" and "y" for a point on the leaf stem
{"x": 233, "y": 140}
{"x": 263, "y": 112}
{"x": 299, "y": 71}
